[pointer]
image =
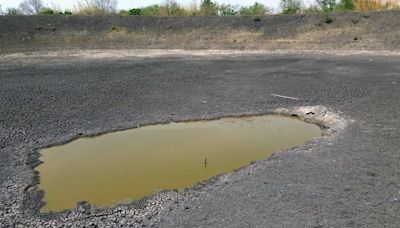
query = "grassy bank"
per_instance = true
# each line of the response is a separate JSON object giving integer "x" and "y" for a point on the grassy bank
{"x": 355, "y": 31}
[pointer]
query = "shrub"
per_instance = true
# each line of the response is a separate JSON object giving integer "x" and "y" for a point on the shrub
{"x": 371, "y": 5}
{"x": 117, "y": 29}
{"x": 291, "y": 6}
{"x": 355, "y": 20}
{"x": 123, "y": 13}
{"x": 172, "y": 8}
{"x": 13, "y": 12}
{"x": 152, "y": 10}
{"x": 328, "y": 18}
{"x": 345, "y": 5}
{"x": 135, "y": 11}
{"x": 208, "y": 8}
{"x": 227, "y": 10}
{"x": 326, "y": 5}
{"x": 105, "y": 6}
{"x": 46, "y": 11}
{"x": 257, "y": 9}
{"x": 96, "y": 7}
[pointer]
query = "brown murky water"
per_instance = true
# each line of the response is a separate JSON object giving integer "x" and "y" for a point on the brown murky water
{"x": 129, "y": 165}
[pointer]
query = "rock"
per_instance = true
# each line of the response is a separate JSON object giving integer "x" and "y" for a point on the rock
{"x": 83, "y": 207}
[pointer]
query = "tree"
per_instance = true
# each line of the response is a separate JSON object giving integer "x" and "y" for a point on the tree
{"x": 106, "y": 6}
{"x": 327, "y": 5}
{"x": 31, "y": 7}
{"x": 227, "y": 10}
{"x": 257, "y": 9}
{"x": 153, "y": 10}
{"x": 369, "y": 5}
{"x": 291, "y": 6}
{"x": 346, "y": 5}
{"x": 135, "y": 11}
{"x": 193, "y": 8}
{"x": 208, "y": 8}
{"x": 96, "y": 7}
{"x": 172, "y": 8}
{"x": 13, "y": 12}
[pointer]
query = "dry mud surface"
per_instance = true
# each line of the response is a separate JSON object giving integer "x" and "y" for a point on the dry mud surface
{"x": 350, "y": 177}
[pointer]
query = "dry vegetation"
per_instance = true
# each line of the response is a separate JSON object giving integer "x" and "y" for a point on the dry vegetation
{"x": 373, "y": 5}
{"x": 202, "y": 8}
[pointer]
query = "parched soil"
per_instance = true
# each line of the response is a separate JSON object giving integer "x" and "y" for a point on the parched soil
{"x": 63, "y": 77}
{"x": 348, "y": 178}
{"x": 348, "y": 31}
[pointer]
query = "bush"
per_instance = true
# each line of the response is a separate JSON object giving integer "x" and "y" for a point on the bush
{"x": 227, "y": 10}
{"x": 46, "y": 11}
{"x": 328, "y": 18}
{"x": 117, "y": 29}
{"x": 123, "y": 13}
{"x": 135, "y": 11}
{"x": 327, "y": 5}
{"x": 96, "y": 7}
{"x": 345, "y": 5}
{"x": 291, "y": 6}
{"x": 172, "y": 8}
{"x": 257, "y": 9}
{"x": 371, "y": 5}
{"x": 355, "y": 20}
{"x": 153, "y": 10}
{"x": 208, "y": 8}
{"x": 13, "y": 12}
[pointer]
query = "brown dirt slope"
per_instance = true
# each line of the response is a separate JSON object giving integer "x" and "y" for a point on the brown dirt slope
{"x": 347, "y": 31}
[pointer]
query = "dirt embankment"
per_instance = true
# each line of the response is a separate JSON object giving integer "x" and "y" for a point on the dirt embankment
{"x": 346, "y": 31}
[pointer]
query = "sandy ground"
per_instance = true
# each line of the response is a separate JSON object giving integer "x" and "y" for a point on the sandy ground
{"x": 347, "y": 178}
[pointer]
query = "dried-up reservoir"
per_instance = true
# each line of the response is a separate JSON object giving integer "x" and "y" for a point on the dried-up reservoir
{"x": 131, "y": 164}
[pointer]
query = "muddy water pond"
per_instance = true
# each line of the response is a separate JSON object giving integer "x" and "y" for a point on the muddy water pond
{"x": 128, "y": 165}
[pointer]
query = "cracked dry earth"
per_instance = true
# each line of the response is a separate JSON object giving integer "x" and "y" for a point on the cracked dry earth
{"x": 347, "y": 178}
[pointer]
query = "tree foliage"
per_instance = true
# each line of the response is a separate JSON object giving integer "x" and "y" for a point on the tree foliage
{"x": 205, "y": 8}
{"x": 47, "y": 11}
{"x": 152, "y": 10}
{"x": 106, "y": 6}
{"x": 257, "y": 9}
{"x": 96, "y": 7}
{"x": 208, "y": 8}
{"x": 371, "y": 5}
{"x": 172, "y": 8}
{"x": 345, "y": 5}
{"x": 326, "y": 5}
{"x": 291, "y": 6}
{"x": 135, "y": 11}
{"x": 30, "y": 7}
{"x": 13, "y": 12}
{"x": 227, "y": 10}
